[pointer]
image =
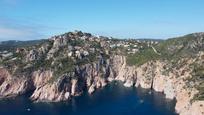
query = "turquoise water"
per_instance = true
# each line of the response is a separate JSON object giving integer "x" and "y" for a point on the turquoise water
{"x": 114, "y": 99}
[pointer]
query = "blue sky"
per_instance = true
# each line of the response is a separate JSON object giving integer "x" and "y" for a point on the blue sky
{"x": 37, "y": 19}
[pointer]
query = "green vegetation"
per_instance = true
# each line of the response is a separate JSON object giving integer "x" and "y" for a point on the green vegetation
{"x": 142, "y": 57}
{"x": 200, "y": 95}
{"x": 119, "y": 51}
{"x": 63, "y": 66}
{"x": 42, "y": 63}
{"x": 176, "y": 48}
{"x": 95, "y": 45}
{"x": 76, "y": 42}
{"x": 92, "y": 57}
{"x": 82, "y": 61}
{"x": 198, "y": 79}
{"x": 172, "y": 50}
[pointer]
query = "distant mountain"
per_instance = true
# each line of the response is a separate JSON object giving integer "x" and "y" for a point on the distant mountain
{"x": 12, "y": 44}
{"x": 149, "y": 39}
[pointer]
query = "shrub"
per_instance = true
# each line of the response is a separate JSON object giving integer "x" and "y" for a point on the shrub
{"x": 142, "y": 57}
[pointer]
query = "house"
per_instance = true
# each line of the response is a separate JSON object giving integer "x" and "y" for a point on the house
{"x": 119, "y": 44}
{"x": 86, "y": 53}
{"x": 135, "y": 50}
{"x": 92, "y": 50}
{"x": 112, "y": 45}
{"x": 5, "y": 55}
{"x": 78, "y": 54}
{"x": 135, "y": 46}
{"x": 126, "y": 45}
{"x": 70, "y": 54}
{"x": 5, "y": 51}
{"x": 77, "y": 47}
{"x": 70, "y": 48}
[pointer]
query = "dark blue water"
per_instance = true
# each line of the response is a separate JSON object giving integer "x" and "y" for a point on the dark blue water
{"x": 111, "y": 100}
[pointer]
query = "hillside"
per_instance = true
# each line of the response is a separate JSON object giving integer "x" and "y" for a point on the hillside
{"x": 175, "y": 50}
{"x": 171, "y": 49}
{"x": 66, "y": 65}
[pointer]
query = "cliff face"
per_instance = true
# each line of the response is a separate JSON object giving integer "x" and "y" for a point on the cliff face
{"x": 63, "y": 72}
{"x": 93, "y": 76}
{"x": 97, "y": 75}
{"x": 13, "y": 86}
{"x": 86, "y": 77}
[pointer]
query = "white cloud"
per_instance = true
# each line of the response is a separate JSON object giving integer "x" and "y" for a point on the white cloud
{"x": 13, "y": 29}
{"x": 11, "y": 2}
{"x": 7, "y": 33}
{"x": 10, "y": 33}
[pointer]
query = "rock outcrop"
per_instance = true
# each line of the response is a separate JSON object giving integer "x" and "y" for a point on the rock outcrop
{"x": 11, "y": 86}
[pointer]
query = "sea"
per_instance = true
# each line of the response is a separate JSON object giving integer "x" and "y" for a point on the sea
{"x": 113, "y": 99}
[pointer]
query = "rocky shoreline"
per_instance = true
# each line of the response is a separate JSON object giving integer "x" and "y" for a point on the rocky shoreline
{"x": 97, "y": 75}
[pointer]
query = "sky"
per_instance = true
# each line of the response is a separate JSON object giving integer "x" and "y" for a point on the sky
{"x": 159, "y": 19}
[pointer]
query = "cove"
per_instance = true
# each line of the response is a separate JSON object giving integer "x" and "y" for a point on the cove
{"x": 114, "y": 99}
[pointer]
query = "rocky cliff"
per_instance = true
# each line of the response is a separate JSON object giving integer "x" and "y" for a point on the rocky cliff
{"x": 69, "y": 71}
